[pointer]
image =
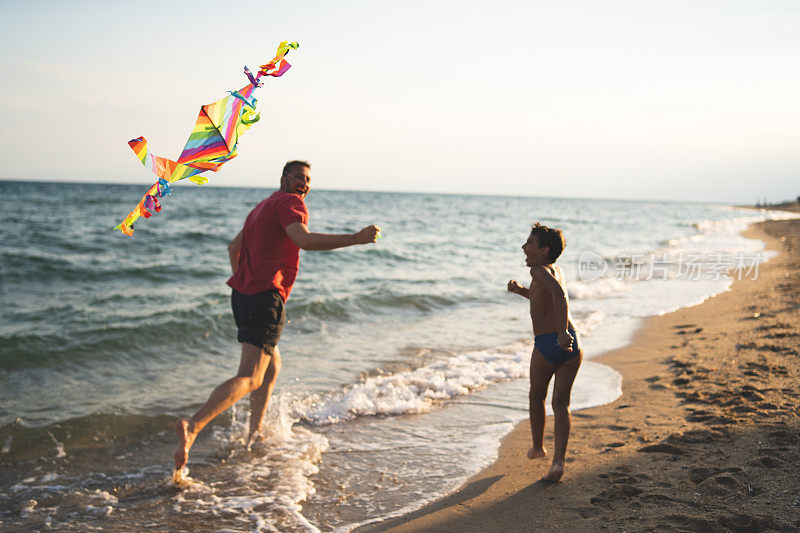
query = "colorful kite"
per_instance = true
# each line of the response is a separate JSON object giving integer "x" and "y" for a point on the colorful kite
{"x": 211, "y": 144}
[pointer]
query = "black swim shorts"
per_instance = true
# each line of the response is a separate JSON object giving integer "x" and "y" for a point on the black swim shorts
{"x": 259, "y": 317}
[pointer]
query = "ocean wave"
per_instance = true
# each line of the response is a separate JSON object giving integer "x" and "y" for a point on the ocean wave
{"x": 585, "y": 324}
{"x": 23, "y": 443}
{"x": 112, "y": 340}
{"x": 21, "y": 267}
{"x": 580, "y": 290}
{"x": 415, "y": 391}
{"x": 348, "y": 307}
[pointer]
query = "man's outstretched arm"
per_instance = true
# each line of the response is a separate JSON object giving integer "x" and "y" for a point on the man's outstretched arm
{"x": 307, "y": 240}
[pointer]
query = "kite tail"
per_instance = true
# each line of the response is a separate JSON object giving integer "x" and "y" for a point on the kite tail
{"x": 278, "y": 66}
{"x": 143, "y": 209}
{"x": 167, "y": 171}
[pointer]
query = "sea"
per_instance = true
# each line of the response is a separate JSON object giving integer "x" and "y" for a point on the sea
{"x": 405, "y": 362}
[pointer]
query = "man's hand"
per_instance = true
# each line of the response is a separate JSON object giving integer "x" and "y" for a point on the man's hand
{"x": 367, "y": 235}
{"x": 565, "y": 340}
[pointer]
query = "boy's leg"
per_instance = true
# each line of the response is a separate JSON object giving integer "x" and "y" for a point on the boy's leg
{"x": 252, "y": 367}
{"x": 540, "y": 373}
{"x": 562, "y": 389}
{"x": 259, "y": 398}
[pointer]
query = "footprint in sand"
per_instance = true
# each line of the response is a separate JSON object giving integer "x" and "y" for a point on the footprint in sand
{"x": 678, "y": 522}
{"x": 700, "y": 415}
{"x": 781, "y": 335}
{"x": 775, "y": 325}
{"x": 769, "y": 462}
{"x": 774, "y": 369}
{"x": 725, "y": 483}
{"x": 752, "y": 394}
{"x": 680, "y": 364}
{"x": 701, "y": 473}
{"x": 588, "y": 512}
{"x": 663, "y": 447}
{"x": 616, "y": 492}
{"x": 782, "y": 437}
{"x": 697, "y": 436}
{"x": 733, "y": 402}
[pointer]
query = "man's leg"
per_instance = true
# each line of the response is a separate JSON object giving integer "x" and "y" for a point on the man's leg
{"x": 252, "y": 367}
{"x": 541, "y": 372}
{"x": 562, "y": 419}
{"x": 259, "y": 398}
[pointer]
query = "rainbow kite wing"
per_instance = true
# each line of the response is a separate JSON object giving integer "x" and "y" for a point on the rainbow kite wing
{"x": 211, "y": 144}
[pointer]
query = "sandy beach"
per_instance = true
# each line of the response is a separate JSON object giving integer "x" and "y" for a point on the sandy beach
{"x": 706, "y": 436}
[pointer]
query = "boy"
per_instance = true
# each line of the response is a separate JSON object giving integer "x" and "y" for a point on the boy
{"x": 556, "y": 349}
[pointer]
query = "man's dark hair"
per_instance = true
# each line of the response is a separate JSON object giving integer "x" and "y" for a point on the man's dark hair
{"x": 291, "y": 165}
{"x": 551, "y": 237}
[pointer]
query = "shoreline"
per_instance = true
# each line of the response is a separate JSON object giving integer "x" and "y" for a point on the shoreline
{"x": 627, "y": 460}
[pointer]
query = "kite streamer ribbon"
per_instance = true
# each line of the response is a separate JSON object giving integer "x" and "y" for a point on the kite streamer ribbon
{"x": 211, "y": 144}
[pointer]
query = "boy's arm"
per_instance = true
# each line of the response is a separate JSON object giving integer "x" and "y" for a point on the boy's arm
{"x": 516, "y": 288}
{"x": 546, "y": 280}
{"x": 299, "y": 234}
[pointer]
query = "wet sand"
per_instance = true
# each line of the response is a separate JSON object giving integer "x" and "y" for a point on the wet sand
{"x": 706, "y": 436}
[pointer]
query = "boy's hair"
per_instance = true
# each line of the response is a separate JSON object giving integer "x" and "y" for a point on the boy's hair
{"x": 291, "y": 165}
{"x": 551, "y": 237}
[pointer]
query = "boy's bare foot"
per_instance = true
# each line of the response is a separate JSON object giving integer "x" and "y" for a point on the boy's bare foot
{"x": 554, "y": 474}
{"x": 185, "y": 440}
{"x": 535, "y": 453}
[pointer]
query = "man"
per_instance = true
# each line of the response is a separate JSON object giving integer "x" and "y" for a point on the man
{"x": 265, "y": 256}
{"x": 556, "y": 348}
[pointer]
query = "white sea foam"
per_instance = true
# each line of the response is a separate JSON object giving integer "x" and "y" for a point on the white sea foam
{"x": 586, "y": 324}
{"x": 102, "y": 503}
{"x": 58, "y": 445}
{"x": 268, "y": 479}
{"x": 27, "y": 508}
{"x": 415, "y": 391}
{"x": 580, "y": 290}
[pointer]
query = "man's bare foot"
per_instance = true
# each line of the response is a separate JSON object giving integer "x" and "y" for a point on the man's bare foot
{"x": 254, "y": 438}
{"x": 185, "y": 440}
{"x": 535, "y": 453}
{"x": 554, "y": 474}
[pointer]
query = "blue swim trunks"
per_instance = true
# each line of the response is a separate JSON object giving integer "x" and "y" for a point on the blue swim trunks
{"x": 548, "y": 346}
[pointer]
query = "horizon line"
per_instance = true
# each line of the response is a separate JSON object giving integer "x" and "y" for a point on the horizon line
{"x": 443, "y": 193}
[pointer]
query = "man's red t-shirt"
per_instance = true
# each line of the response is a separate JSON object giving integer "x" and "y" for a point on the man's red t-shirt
{"x": 268, "y": 258}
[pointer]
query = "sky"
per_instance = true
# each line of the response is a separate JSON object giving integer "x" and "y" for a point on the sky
{"x": 677, "y": 99}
